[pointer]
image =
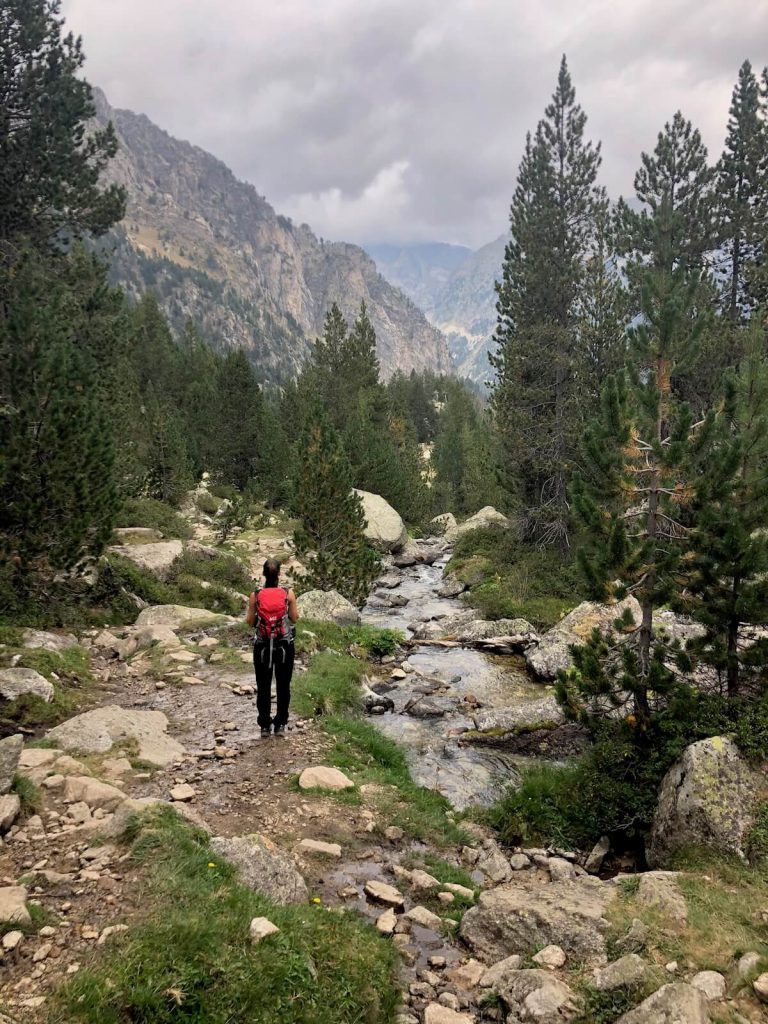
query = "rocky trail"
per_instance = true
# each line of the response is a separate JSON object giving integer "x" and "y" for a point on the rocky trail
{"x": 173, "y": 720}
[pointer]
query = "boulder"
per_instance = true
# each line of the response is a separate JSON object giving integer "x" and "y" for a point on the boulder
{"x": 552, "y": 653}
{"x": 676, "y": 1003}
{"x": 534, "y": 995}
{"x": 10, "y": 754}
{"x": 136, "y": 535}
{"x": 451, "y": 586}
{"x": 263, "y": 867}
{"x": 551, "y": 957}
{"x": 163, "y": 636}
{"x": 13, "y": 905}
{"x": 97, "y": 731}
{"x": 38, "y": 638}
{"x": 21, "y": 682}
{"x": 517, "y": 633}
{"x": 626, "y": 972}
{"x": 545, "y": 713}
{"x": 156, "y": 558}
{"x": 10, "y": 807}
{"x": 177, "y": 616}
{"x": 323, "y": 777}
{"x": 707, "y": 798}
{"x": 328, "y": 606}
{"x": 599, "y": 852}
{"x": 443, "y": 523}
{"x": 711, "y": 983}
{"x": 523, "y": 916}
{"x": 659, "y": 890}
{"x": 487, "y": 516}
{"x": 84, "y": 789}
{"x": 383, "y": 526}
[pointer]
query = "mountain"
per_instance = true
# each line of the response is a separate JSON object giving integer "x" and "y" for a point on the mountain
{"x": 455, "y": 288}
{"x": 216, "y": 252}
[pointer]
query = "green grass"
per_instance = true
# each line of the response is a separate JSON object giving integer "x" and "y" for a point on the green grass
{"x": 11, "y": 636}
{"x": 508, "y": 579}
{"x": 605, "y": 1007}
{"x": 330, "y": 686}
{"x": 225, "y": 570}
{"x": 154, "y": 515}
{"x": 69, "y": 671}
{"x": 188, "y": 959}
{"x": 372, "y": 642}
{"x": 29, "y": 795}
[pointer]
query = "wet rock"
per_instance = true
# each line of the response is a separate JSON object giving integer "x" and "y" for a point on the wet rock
{"x": 626, "y": 972}
{"x": 328, "y": 606}
{"x": 263, "y": 867}
{"x": 323, "y": 777}
{"x": 320, "y": 848}
{"x": 708, "y": 798}
{"x": 260, "y": 928}
{"x": 40, "y": 639}
{"x": 84, "y": 789}
{"x": 10, "y": 807}
{"x": 520, "y": 917}
{"x": 384, "y": 528}
{"x": 534, "y": 995}
{"x": 545, "y": 713}
{"x": 10, "y": 754}
{"x": 711, "y": 983}
{"x": 424, "y": 707}
{"x": 659, "y": 890}
{"x": 672, "y": 1004}
{"x": 486, "y": 517}
{"x": 377, "y": 703}
{"x": 13, "y": 905}
{"x": 515, "y": 633}
{"x": 382, "y": 892}
{"x": 551, "y": 957}
{"x": 451, "y": 586}
{"x": 178, "y": 617}
{"x": 599, "y": 852}
{"x": 553, "y": 650}
{"x": 97, "y": 731}
{"x": 21, "y": 682}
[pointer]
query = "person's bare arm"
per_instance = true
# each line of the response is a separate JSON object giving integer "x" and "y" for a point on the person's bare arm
{"x": 250, "y": 616}
{"x": 293, "y": 607}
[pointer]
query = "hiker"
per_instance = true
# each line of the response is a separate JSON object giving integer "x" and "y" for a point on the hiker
{"x": 273, "y": 610}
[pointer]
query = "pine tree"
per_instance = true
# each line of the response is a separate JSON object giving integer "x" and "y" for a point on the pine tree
{"x": 332, "y": 521}
{"x": 728, "y": 588}
{"x": 740, "y": 185}
{"x": 535, "y": 395}
{"x": 57, "y": 496}
{"x": 50, "y": 167}
{"x": 237, "y": 446}
{"x": 757, "y": 270}
{"x": 635, "y": 503}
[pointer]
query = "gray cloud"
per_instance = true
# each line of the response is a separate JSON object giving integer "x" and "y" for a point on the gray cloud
{"x": 401, "y": 120}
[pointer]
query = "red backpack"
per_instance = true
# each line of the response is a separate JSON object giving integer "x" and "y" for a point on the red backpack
{"x": 272, "y": 621}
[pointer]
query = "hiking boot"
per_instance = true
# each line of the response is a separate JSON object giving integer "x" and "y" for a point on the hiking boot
{"x": 280, "y": 731}
{"x": 266, "y": 732}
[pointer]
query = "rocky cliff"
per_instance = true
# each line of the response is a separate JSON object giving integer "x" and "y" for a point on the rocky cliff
{"x": 215, "y": 251}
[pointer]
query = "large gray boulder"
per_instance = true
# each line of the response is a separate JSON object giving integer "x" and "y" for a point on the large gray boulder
{"x": 38, "y": 638}
{"x": 97, "y": 731}
{"x": 177, "y": 616}
{"x": 535, "y": 995}
{"x": 442, "y": 524}
{"x": 523, "y": 917}
{"x": 263, "y": 867}
{"x": 156, "y": 558}
{"x": 328, "y": 606}
{"x": 10, "y": 752}
{"x": 707, "y": 798}
{"x": 677, "y": 1003}
{"x": 535, "y": 714}
{"x": 552, "y": 653}
{"x": 22, "y": 682}
{"x": 487, "y": 516}
{"x": 384, "y": 527}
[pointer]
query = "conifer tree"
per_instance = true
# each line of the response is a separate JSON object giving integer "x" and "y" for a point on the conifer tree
{"x": 237, "y": 446}
{"x": 740, "y": 187}
{"x": 332, "y": 521}
{"x": 50, "y": 168}
{"x": 57, "y": 496}
{"x": 728, "y": 587}
{"x": 535, "y": 397}
{"x": 757, "y": 270}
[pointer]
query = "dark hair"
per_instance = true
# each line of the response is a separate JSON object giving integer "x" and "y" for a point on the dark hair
{"x": 271, "y": 571}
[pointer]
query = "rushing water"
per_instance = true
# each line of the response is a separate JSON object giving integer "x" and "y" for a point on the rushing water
{"x": 435, "y": 702}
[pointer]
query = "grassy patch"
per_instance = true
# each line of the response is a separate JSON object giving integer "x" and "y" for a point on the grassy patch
{"x": 69, "y": 671}
{"x": 11, "y": 636}
{"x": 189, "y": 959}
{"x": 372, "y": 642}
{"x": 330, "y": 686}
{"x": 225, "y": 569}
{"x": 604, "y": 1007}
{"x": 29, "y": 795}
{"x": 155, "y": 515}
{"x": 508, "y": 579}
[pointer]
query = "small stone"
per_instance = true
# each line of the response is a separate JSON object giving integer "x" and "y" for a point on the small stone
{"x": 421, "y": 880}
{"x": 551, "y": 957}
{"x": 394, "y": 833}
{"x": 349, "y": 892}
{"x": 322, "y": 777}
{"x": 53, "y": 782}
{"x": 260, "y": 928}
{"x": 438, "y": 962}
{"x": 627, "y": 972}
{"x": 10, "y": 807}
{"x": 112, "y": 929}
{"x": 318, "y": 847}
{"x": 711, "y": 983}
{"x": 424, "y": 918}
{"x": 421, "y": 990}
{"x": 748, "y": 963}
{"x": 385, "y": 923}
{"x": 519, "y": 862}
{"x": 760, "y": 986}
{"x": 460, "y": 890}
{"x": 381, "y": 892}
{"x": 599, "y": 852}
{"x": 437, "y": 1013}
{"x": 446, "y": 898}
{"x": 561, "y": 870}
{"x": 13, "y": 905}
{"x": 466, "y": 976}
{"x": 183, "y": 792}
{"x": 398, "y": 673}
{"x": 79, "y": 812}
{"x": 11, "y": 940}
{"x": 671, "y": 967}
{"x": 42, "y": 953}
{"x": 47, "y": 932}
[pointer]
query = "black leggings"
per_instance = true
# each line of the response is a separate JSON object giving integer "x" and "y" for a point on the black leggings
{"x": 282, "y": 664}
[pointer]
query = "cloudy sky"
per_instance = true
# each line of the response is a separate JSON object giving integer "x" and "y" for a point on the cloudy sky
{"x": 404, "y": 120}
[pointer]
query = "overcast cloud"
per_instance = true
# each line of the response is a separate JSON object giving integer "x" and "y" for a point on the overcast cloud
{"x": 404, "y": 120}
